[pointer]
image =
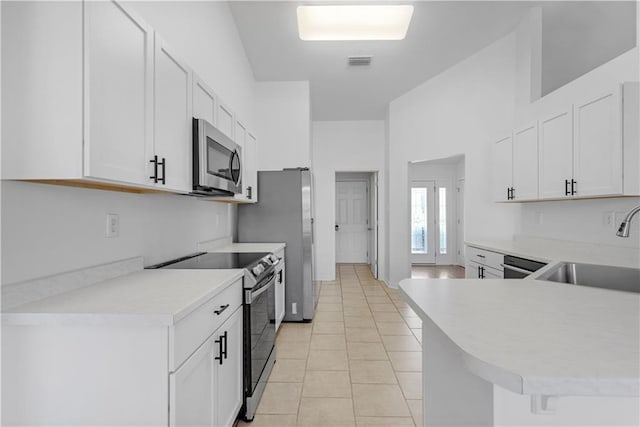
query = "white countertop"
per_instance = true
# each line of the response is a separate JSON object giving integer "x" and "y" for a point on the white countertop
{"x": 547, "y": 250}
{"x": 147, "y": 297}
{"x": 537, "y": 337}
{"x": 245, "y": 247}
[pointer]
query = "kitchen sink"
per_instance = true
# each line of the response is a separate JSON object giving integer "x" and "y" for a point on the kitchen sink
{"x": 597, "y": 276}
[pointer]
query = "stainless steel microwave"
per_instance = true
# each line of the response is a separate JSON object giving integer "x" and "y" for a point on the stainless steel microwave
{"x": 217, "y": 161}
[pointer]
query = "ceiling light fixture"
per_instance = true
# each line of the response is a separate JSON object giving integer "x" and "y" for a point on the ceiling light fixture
{"x": 354, "y": 22}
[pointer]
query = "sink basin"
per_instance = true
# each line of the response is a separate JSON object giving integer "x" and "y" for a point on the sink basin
{"x": 597, "y": 276}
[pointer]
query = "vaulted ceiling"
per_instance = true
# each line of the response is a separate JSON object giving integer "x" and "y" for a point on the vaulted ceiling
{"x": 441, "y": 34}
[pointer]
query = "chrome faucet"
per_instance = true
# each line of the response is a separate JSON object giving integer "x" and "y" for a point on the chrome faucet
{"x": 623, "y": 230}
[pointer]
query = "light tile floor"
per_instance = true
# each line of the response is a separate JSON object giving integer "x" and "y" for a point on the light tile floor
{"x": 357, "y": 363}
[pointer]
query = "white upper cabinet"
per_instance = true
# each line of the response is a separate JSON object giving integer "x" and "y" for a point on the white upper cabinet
{"x": 226, "y": 120}
{"x": 251, "y": 167}
{"x": 598, "y": 144}
{"x": 240, "y": 133}
{"x": 502, "y": 169}
{"x": 41, "y": 94}
{"x": 115, "y": 104}
{"x": 205, "y": 101}
{"x": 525, "y": 163}
{"x": 588, "y": 149}
{"x": 173, "y": 118}
{"x": 556, "y": 154}
{"x": 118, "y": 93}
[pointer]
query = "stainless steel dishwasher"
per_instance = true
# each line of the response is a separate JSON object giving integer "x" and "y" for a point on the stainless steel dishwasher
{"x": 519, "y": 268}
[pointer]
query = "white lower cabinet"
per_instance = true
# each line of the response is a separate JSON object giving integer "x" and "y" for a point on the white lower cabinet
{"x": 206, "y": 390}
{"x": 483, "y": 264}
{"x": 127, "y": 371}
{"x": 191, "y": 389}
{"x": 228, "y": 372}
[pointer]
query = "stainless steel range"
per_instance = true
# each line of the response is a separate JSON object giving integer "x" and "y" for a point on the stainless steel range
{"x": 259, "y": 313}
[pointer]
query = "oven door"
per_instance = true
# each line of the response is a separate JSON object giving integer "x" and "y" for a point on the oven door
{"x": 217, "y": 160}
{"x": 260, "y": 338}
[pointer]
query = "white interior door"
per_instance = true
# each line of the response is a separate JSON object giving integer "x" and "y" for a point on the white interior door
{"x": 423, "y": 222}
{"x": 352, "y": 221}
{"x": 373, "y": 229}
{"x": 460, "y": 223}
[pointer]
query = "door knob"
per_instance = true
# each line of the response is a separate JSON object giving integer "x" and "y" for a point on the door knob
{"x": 337, "y": 227}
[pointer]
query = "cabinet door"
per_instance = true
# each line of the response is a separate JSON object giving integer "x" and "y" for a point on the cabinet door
{"x": 251, "y": 167}
{"x": 525, "y": 163}
{"x": 192, "y": 389}
{"x": 555, "y": 167}
{"x": 597, "y": 152}
{"x": 226, "y": 122}
{"x": 118, "y": 95}
{"x": 229, "y": 382}
{"x": 280, "y": 296}
{"x": 173, "y": 116}
{"x": 204, "y": 101}
{"x": 502, "y": 168}
{"x": 471, "y": 270}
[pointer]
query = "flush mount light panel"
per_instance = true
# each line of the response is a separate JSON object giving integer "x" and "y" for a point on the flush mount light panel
{"x": 354, "y": 22}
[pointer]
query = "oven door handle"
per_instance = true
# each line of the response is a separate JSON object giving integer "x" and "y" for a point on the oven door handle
{"x": 519, "y": 270}
{"x": 251, "y": 295}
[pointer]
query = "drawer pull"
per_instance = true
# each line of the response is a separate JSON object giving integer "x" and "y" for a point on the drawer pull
{"x": 480, "y": 256}
{"x": 221, "y": 309}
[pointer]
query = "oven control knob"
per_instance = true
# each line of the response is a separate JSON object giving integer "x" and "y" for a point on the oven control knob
{"x": 257, "y": 270}
{"x": 273, "y": 258}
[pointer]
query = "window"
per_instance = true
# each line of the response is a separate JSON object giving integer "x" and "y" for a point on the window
{"x": 442, "y": 218}
{"x": 419, "y": 221}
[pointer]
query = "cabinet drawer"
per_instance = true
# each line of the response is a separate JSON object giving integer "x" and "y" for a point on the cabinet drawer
{"x": 488, "y": 258}
{"x": 194, "y": 329}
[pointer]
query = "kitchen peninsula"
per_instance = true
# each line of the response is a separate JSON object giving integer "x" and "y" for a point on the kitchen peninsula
{"x": 571, "y": 350}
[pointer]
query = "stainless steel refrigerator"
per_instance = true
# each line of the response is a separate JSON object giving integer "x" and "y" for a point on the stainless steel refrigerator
{"x": 284, "y": 213}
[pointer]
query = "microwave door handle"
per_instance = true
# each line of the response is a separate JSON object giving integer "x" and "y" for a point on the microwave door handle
{"x": 203, "y": 161}
{"x": 235, "y": 155}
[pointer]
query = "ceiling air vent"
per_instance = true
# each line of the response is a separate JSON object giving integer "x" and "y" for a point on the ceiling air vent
{"x": 360, "y": 60}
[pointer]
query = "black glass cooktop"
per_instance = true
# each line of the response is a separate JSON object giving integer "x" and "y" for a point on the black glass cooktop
{"x": 212, "y": 260}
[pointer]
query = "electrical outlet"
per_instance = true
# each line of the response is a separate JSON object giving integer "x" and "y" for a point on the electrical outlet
{"x": 113, "y": 225}
{"x": 294, "y": 308}
{"x": 608, "y": 219}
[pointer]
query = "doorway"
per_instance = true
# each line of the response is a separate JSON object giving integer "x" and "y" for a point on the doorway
{"x": 436, "y": 221}
{"x": 356, "y": 219}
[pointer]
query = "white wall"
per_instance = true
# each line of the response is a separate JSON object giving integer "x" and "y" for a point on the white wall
{"x": 457, "y": 112}
{"x": 48, "y": 229}
{"x": 283, "y": 128}
{"x": 348, "y": 146}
